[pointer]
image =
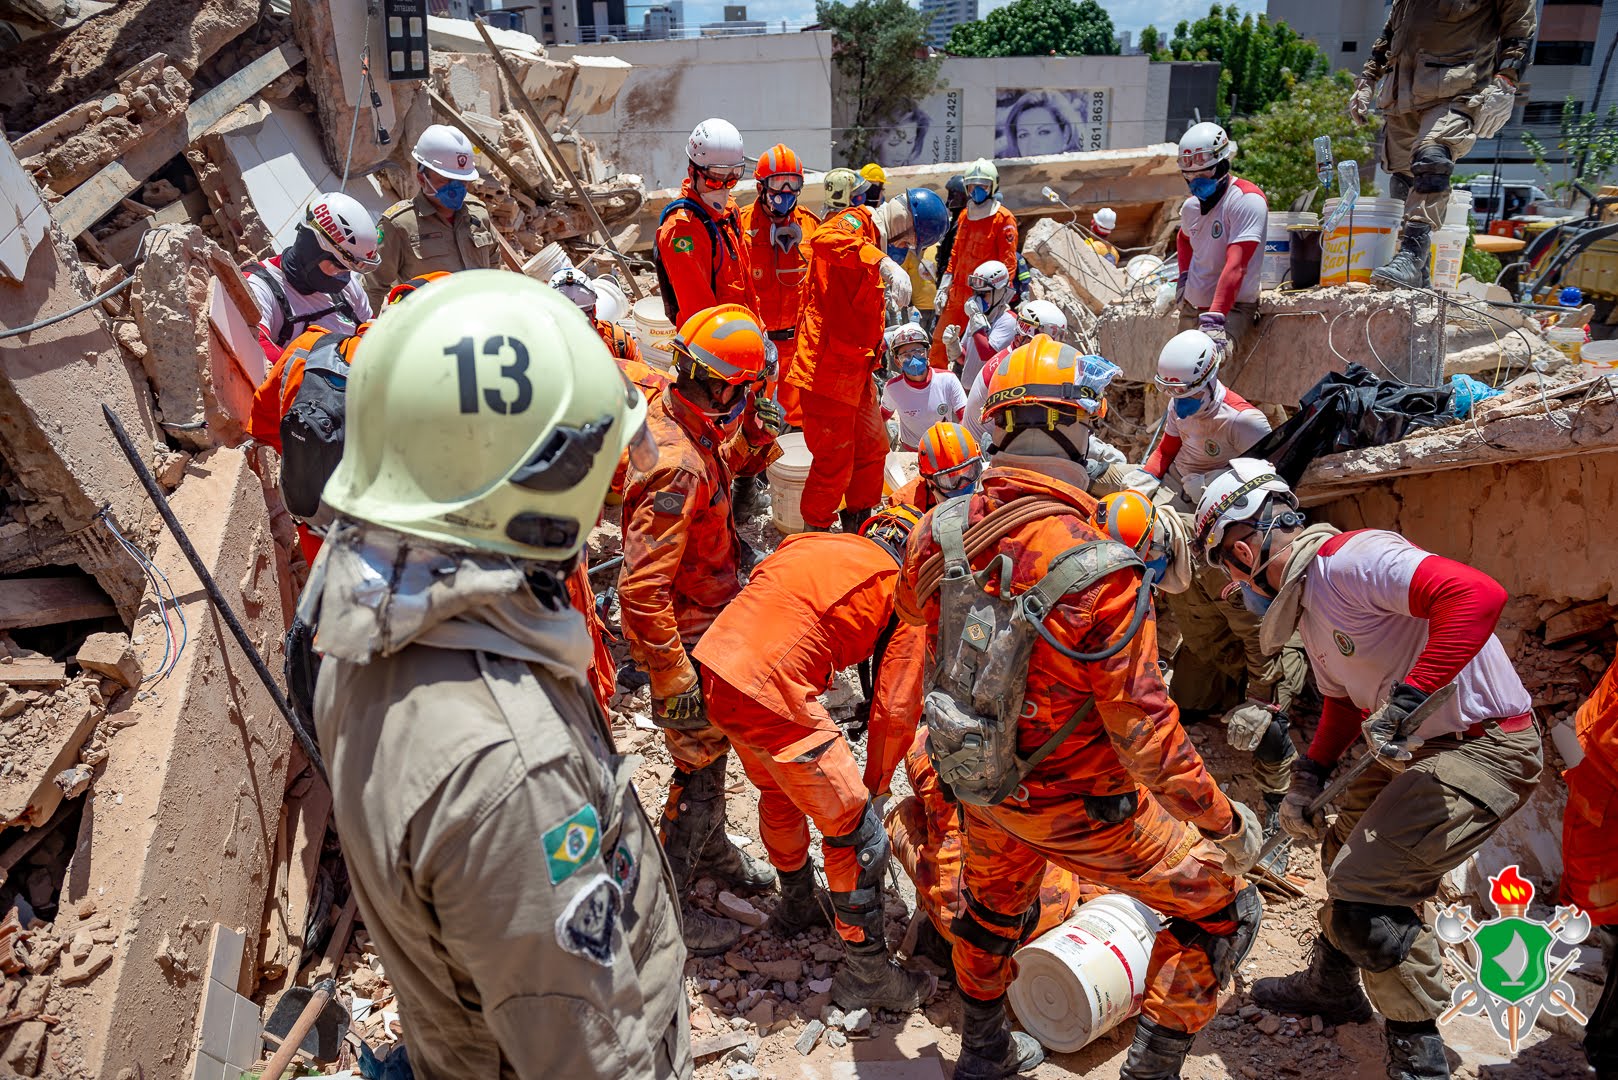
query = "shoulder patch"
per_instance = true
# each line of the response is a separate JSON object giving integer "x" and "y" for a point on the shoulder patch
{"x": 684, "y": 243}
{"x": 851, "y": 221}
{"x": 572, "y": 844}
{"x": 668, "y": 502}
{"x": 397, "y": 208}
{"x": 584, "y": 928}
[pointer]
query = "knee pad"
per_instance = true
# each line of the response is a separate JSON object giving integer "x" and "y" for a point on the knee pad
{"x": 1377, "y": 937}
{"x": 973, "y": 924}
{"x": 1226, "y": 951}
{"x": 870, "y": 843}
{"x": 1275, "y": 748}
{"x": 1431, "y": 167}
{"x": 1400, "y": 184}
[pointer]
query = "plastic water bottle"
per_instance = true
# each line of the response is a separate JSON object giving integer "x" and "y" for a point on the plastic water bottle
{"x": 1323, "y": 162}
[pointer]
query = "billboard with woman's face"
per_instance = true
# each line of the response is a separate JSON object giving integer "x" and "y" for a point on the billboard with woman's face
{"x": 923, "y": 135}
{"x": 1032, "y": 123}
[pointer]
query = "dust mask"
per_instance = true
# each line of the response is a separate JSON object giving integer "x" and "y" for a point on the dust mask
{"x": 715, "y": 200}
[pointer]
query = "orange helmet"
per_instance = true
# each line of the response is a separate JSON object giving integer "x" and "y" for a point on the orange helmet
{"x": 723, "y": 343}
{"x": 1128, "y": 517}
{"x": 891, "y": 527}
{"x": 950, "y": 458}
{"x": 778, "y": 160}
{"x": 1047, "y": 384}
{"x": 405, "y": 288}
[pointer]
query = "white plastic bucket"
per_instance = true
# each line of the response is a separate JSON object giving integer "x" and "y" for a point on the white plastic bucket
{"x": 1083, "y": 978}
{"x": 551, "y": 258}
{"x": 1458, "y": 214}
{"x": 1352, "y": 256}
{"x": 1567, "y": 340}
{"x": 654, "y": 332}
{"x": 1448, "y": 249}
{"x": 1599, "y": 358}
{"x": 1142, "y": 267}
{"x": 901, "y": 467}
{"x": 1278, "y": 244}
{"x": 787, "y": 475}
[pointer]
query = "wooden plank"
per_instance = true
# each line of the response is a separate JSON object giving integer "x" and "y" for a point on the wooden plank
{"x": 46, "y": 601}
{"x": 1578, "y": 621}
{"x": 32, "y": 671}
{"x": 87, "y": 203}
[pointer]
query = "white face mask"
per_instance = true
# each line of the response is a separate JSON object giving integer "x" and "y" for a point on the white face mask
{"x": 715, "y": 200}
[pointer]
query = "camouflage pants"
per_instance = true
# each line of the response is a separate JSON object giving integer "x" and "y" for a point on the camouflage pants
{"x": 1397, "y": 834}
{"x": 1405, "y": 134}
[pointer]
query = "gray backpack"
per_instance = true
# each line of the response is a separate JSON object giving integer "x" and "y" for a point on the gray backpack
{"x": 974, "y": 688}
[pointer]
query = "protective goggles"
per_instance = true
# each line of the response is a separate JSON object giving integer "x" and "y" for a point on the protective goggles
{"x": 786, "y": 184}
{"x": 948, "y": 482}
{"x": 719, "y": 177}
{"x": 581, "y": 295}
{"x": 1028, "y": 329}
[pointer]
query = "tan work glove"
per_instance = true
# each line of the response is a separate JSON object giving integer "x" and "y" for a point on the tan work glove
{"x": 1242, "y": 846}
{"x": 1359, "y": 102}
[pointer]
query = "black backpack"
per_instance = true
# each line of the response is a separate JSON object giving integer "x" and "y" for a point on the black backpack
{"x": 312, "y": 429}
{"x": 716, "y": 235}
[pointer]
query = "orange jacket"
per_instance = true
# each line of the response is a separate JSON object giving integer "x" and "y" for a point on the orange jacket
{"x": 603, "y": 673}
{"x": 917, "y": 492}
{"x": 775, "y": 279}
{"x": 840, "y": 330}
{"x": 1133, "y": 737}
{"x": 681, "y": 552}
{"x": 818, "y": 604}
{"x": 626, "y": 350}
{"x": 275, "y": 395}
{"x": 977, "y": 242}
{"x": 700, "y": 276}
{"x": 1596, "y": 724}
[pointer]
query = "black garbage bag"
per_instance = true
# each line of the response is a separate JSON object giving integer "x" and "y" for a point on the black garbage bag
{"x": 1348, "y": 412}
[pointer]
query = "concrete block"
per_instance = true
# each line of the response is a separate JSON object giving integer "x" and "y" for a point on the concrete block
{"x": 111, "y": 655}
{"x": 596, "y": 86}
{"x": 200, "y": 773}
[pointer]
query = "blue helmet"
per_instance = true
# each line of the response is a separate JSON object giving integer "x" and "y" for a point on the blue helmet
{"x": 929, "y": 216}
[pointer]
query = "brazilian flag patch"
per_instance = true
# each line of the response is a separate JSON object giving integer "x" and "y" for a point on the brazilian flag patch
{"x": 572, "y": 844}
{"x": 684, "y": 243}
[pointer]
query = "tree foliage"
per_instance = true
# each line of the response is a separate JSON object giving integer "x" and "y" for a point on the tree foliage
{"x": 1276, "y": 149}
{"x": 880, "y": 50}
{"x": 1260, "y": 61}
{"x": 1038, "y": 28}
{"x": 1589, "y": 142}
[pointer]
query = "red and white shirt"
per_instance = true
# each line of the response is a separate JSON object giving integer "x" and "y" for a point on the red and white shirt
{"x": 1241, "y": 214}
{"x": 920, "y": 407}
{"x": 1377, "y": 610}
{"x": 1209, "y": 439}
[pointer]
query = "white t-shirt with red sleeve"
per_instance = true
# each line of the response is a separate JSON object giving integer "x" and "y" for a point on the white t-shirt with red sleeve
{"x": 1242, "y": 213}
{"x": 920, "y": 407}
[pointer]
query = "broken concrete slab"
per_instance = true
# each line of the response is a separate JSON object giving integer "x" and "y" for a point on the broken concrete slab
{"x": 41, "y": 742}
{"x": 152, "y": 96}
{"x": 1053, "y": 248}
{"x": 111, "y": 655}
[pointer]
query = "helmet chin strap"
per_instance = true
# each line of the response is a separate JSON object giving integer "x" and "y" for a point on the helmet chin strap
{"x": 1266, "y": 530}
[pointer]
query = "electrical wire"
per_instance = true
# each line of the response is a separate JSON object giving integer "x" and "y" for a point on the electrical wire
{"x": 167, "y": 600}
{"x": 70, "y": 312}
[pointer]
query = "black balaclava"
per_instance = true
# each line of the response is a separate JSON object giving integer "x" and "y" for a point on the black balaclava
{"x": 301, "y": 264}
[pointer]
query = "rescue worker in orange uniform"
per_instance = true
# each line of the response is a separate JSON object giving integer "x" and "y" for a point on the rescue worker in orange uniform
{"x": 1590, "y": 851}
{"x": 680, "y": 569}
{"x": 574, "y": 284}
{"x": 776, "y": 229}
{"x": 985, "y": 232}
{"x": 1111, "y": 788}
{"x": 818, "y": 604}
{"x": 853, "y": 276}
{"x": 699, "y": 253}
{"x": 950, "y": 463}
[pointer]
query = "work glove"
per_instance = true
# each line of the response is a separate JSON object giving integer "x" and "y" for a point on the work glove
{"x": 1385, "y": 730}
{"x": 1308, "y": 781}
{"x": 1246, "y": 724}
{"x": 927, "y": 270}
{"x": 1492, "y": 106}
{"x": 682, "y": 712}
{"x": 768, "y": 421}
{"x": 941, "y": 295}
{"x": 1359, "y": 102}
{"x": 1179, "y": 288}
{"x": 952, "y": 343}
{"x": 1212, "y": 323}
{"x": 1242, "y": 846}
{"x": 975, "y": 319}
{"x": 896, "y": 281}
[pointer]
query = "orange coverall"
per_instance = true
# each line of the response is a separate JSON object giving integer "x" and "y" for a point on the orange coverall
{"x": 926, "y": 835}
{"x": 700, "y": 276}
{"x": 603, "y": 673}
{"x": 976, "y": 242}
{"x": 1590, "y": 822}
{"x": 681, "y": 555}
{"x": 275, "y": 395}
{"x": 818, "y": 604}
{"x": 775, "y": 284}
{"x": 917, "y": 493}
{"x": 839, "y": 335}
{"x": 1130, "y": 745}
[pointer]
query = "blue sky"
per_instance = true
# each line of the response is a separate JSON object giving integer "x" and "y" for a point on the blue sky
{"x": 1125, "y": 16}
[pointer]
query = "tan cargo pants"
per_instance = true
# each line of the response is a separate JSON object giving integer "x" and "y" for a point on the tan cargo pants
{"x": 1403, "y": 134}
{"x": 1397, "y": 834}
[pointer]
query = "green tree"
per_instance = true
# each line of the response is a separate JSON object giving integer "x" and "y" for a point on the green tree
{"x": 1589, "y": 143}
{"x": 1150, "y": 41}
{"x": 1275, "y": 147}
{"x": 1038, "y": 28}
{"x": 1260, "y": 61}
{"x": 880, "y": 50}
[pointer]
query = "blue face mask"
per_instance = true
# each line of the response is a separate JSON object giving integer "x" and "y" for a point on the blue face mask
{"x": 1187, "y": 407}
{"x": 914, "y": 367}
{"x": 898, "y": 254}
{"x": 452, "y": 195}
{"x": 964, "y": 489}
{"x": 979, "y": 195}
{"x": 1203, "y": 187}
{"x": 781, "y": 202}
{"x": 1255, "y": 603}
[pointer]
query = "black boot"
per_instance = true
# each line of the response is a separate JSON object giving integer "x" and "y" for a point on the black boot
{"x": 869, "y": 979}
{"x": 1601, "y": 1032}
{"x": 853, "y": 519}
{"x": 1157, "y": 1052}
{"x": 801, "y": 905}
{"x": 1416, "y": 1051}
{"x": 990, "y": 1050}
{"x": 1409, "y": 266}
{"x": 1281, "y": 857}
{"x": 689, "y": 817}
{"x": 1329, "y": 988}
{"x": 749, "y": 497}
{"x": 718, "y": 857}
{"x": 933, "y": 945}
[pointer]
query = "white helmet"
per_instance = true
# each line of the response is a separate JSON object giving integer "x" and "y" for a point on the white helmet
{"x": 574, "y": 284}
{"x": 715, "y": 144}
{"x": 1041, "y": 317}
{"x": 993, "y": 278}
{"x": 1205, "y": 146}
{"x": 1104, "y": 221}
{"x": 897, "y": 337}
{"x": 1187, "y": 363}
{"x": 447, "y": 152}
{"x": 345, "y": 229}
{"x": 1240, "y": 493}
